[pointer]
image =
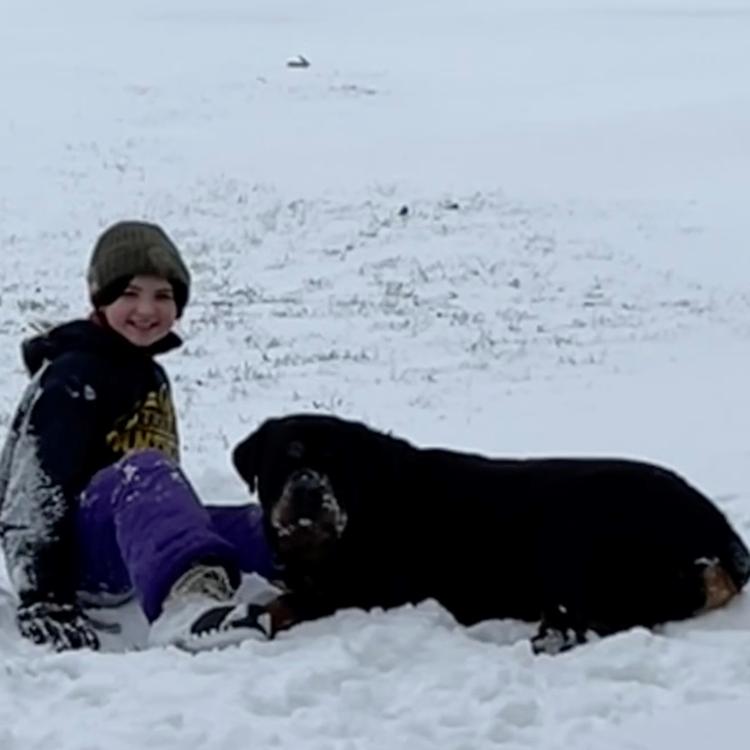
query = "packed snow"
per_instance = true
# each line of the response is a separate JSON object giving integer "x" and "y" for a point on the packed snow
{"x": 517, "y": 227}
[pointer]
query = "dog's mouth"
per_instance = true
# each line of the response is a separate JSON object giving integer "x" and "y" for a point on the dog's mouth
{"x": 307, "y": 519}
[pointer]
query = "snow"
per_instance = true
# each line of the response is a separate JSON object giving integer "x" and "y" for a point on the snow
{"x": 568, "y": 277}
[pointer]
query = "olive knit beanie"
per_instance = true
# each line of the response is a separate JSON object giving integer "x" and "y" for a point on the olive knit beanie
{"x": 133, "y": 248}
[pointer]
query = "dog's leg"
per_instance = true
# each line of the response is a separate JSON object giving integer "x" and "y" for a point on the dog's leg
{"x": 661, "y": 596}
{"x": 564, "y": 578}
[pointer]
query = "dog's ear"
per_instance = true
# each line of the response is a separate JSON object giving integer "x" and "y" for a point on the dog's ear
{"x": 245, "y": 458}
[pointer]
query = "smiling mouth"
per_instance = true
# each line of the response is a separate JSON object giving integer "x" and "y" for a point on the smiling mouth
{"x": 140, "y": 330}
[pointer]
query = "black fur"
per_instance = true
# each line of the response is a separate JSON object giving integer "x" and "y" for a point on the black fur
{"x": 599, "y": 544}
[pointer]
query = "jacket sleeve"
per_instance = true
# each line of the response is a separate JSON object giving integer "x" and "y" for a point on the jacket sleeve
{"x": 47, "y": 460}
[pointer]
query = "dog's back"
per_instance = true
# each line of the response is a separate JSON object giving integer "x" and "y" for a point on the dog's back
{"x": 630, "y": 541}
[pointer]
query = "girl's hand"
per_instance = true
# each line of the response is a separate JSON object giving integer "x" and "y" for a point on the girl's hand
{"x": 61, "y": 625}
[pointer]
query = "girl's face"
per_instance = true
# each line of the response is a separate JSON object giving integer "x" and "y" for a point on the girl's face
{"x": 145, "y": 312}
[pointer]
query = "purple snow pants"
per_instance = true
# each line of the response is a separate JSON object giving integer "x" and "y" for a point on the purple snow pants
{"x": 140, "y": 526}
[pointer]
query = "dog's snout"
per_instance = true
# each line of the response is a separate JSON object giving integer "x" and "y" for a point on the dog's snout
{"x": 307, "y": 517}
{"x": 307, "y": 501}
{"x": 307, "y": 494}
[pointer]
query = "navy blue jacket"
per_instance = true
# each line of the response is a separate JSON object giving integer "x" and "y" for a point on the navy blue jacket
{"x": 93, "y": 397}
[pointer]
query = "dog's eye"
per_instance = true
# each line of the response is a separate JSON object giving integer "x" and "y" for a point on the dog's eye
{"x": 295, "y": 449}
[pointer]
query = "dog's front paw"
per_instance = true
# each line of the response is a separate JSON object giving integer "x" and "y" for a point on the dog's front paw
{"x": 283, "y": 613}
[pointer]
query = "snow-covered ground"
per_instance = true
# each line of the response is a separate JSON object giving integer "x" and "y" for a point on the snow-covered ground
{"x": 515, "y": 227}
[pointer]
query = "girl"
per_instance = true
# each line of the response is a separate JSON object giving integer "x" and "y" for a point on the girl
{"x": 93, "y": 503}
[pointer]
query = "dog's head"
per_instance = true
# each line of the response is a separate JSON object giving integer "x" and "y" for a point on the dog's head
{"x": 303, "y": 468}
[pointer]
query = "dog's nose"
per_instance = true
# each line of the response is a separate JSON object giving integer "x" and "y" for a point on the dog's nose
{"x": 305, "y": 478}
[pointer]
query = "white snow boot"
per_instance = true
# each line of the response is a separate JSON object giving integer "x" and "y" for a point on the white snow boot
{"x": 201, "y": 613}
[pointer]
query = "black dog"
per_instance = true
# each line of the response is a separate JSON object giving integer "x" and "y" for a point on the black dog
{"x": 363, "y": 519}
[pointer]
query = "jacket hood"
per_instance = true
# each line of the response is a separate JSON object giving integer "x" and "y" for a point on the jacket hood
{"x": 87, "y": 336}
